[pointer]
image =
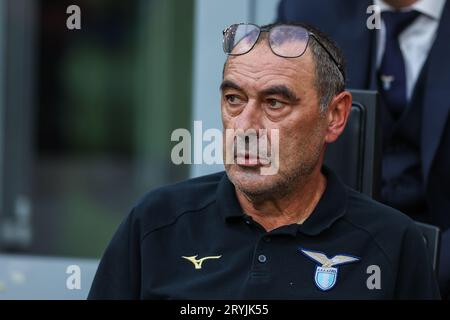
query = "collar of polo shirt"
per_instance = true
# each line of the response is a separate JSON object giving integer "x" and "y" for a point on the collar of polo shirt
{"x": 331, "y": 206}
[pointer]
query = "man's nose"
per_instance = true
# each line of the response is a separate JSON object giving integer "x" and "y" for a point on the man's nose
{"x": 250, "y": 117}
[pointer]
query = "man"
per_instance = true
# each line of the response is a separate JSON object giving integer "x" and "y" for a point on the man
{"x": 296, "y": 233}
{"x": 406, "y": 60}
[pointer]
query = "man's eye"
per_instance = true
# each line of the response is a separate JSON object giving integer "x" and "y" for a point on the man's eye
{"x": 233, "y": 99}
{"x": 275, "y": 104}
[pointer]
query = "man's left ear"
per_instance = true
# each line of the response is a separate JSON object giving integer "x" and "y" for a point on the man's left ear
{"x": 337, "y": 115}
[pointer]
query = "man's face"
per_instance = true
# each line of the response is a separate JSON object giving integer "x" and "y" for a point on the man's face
{"x": 263, "y": 91}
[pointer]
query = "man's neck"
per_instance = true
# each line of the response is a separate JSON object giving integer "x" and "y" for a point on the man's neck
{"x": 294, "y": 207}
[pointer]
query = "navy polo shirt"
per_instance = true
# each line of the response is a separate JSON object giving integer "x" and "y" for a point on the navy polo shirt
{"x": 192, "y": 240}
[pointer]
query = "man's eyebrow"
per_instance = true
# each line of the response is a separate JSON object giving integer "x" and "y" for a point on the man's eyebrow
{"x": 282, "y": 91}
{"x": 228, "y": 84}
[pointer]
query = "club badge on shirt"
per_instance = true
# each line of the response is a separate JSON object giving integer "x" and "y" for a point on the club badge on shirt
{"x": 326, "y": 269}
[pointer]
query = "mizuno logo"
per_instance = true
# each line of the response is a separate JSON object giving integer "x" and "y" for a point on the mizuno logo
{"x": 198, "y": 262}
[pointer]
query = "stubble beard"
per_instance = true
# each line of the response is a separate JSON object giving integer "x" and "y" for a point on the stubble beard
{"x": 285, "y": 183}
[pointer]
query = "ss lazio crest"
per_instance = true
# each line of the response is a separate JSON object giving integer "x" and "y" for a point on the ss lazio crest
{"x": 326, "y": 275}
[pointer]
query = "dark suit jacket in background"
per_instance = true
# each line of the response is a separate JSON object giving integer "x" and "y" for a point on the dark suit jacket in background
{"x": 345, "y": 22}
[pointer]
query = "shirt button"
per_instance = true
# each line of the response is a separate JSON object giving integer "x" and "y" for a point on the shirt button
{"x": 262, "y": 258}
{"x": 247, "y": 221}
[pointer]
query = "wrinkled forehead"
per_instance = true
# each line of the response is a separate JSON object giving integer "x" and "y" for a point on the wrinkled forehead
{"x": 261, "y": 60}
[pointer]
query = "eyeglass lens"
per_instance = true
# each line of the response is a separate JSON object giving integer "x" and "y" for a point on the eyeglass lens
{"x": 285, "y": 41}
{"x": 240, "y": 38}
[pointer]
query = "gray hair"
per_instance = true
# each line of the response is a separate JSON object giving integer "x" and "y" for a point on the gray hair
{"x": 329, "y": 81}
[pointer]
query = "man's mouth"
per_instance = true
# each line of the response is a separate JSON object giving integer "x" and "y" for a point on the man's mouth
{"x": 250, "y": 160}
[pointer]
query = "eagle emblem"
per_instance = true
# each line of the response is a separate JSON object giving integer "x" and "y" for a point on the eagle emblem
{"x": 326, "y": 268}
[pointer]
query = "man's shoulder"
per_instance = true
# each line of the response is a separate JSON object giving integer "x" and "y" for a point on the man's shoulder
{"x": 165, "y": 204}
{"x": 372, "y": 215}
{"x": 384, "y": 225}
